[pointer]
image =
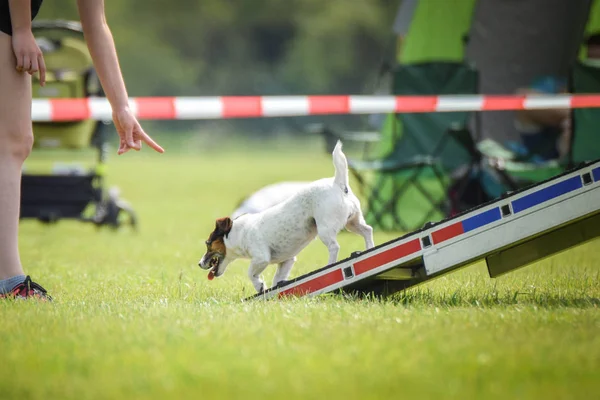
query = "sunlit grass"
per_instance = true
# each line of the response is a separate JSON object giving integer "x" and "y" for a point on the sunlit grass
{"x": 134, "y": 317}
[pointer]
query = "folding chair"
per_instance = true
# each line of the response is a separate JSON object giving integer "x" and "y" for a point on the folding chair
{"x": 409, "y": 185}
{"x": 510, "y": 172}
{"x": 585, "y": 145}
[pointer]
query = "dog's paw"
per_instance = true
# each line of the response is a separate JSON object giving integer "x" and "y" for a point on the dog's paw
{"x": 282, "y": 283}
{"x": 262, "y": 289}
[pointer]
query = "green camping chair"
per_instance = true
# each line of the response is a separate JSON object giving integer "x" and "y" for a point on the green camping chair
{"x": 585, "y": 121}
{"x": 508, "y": 172}
{"x": 408, "y": 186}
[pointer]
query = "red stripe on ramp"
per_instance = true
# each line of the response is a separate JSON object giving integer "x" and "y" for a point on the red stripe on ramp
{"x": 318, "y": 283}
{"x": 447, "y": 233}
{"x": 387, "y": 256}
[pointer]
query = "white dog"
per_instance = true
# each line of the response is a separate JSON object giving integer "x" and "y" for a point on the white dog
{"x": 276, "y": 235}
{"x": 267, "y": 197}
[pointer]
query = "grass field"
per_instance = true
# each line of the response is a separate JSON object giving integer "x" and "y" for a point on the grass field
{"x": 134, "y": 316}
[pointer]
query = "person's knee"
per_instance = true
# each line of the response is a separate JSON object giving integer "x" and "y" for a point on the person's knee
{"x": 24, "y": 145}
{"x": 16, "y": 142}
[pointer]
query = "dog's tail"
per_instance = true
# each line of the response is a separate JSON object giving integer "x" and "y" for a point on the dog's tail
{"x": 341, "y": 167}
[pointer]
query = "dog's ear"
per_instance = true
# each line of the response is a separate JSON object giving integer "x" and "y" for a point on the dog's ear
{"x": 223, "y": 225}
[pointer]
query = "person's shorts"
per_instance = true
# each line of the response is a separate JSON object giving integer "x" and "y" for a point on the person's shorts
{"x": 539, "y": 142}
{"x": 5, "y": 24}
{"x": 540, "y": 146}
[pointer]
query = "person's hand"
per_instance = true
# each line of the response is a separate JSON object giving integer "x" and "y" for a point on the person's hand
{"x": 28, "y": 54}
{"x": 131, "y": 133}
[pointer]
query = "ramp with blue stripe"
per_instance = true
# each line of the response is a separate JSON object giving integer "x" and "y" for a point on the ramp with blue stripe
{"x": 537, "y": 216}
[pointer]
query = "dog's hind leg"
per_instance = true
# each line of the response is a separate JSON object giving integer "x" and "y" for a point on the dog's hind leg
{"x": 328, "y": 237}
{"x": 358, "y": 225}
{"x": 283, "y": 271}
{"x": 256, "y": 268}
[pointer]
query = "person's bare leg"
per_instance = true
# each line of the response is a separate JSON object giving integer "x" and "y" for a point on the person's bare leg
{"x": 16, "y": 140}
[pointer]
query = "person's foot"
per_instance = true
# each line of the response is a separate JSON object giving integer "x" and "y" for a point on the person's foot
{"x": 27, "y": 289}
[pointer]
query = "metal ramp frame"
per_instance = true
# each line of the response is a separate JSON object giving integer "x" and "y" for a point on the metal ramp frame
{"x": 513, "y": 231}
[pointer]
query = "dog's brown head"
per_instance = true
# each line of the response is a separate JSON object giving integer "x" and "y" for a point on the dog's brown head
{"x": 216, "y": 249}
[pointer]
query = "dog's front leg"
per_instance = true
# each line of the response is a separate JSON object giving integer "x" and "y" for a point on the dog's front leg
{"x": 283, "y": 271}
{"x": 334, "y": 250}
{"x": 256, "y": 268}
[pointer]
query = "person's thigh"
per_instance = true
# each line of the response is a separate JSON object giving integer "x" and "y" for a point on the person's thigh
{"x": 15, "y": 96}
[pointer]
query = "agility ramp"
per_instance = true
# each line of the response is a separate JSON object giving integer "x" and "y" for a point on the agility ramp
{"x": 513, "y": 231}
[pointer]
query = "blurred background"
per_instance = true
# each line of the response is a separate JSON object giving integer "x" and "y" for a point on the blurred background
{"x": 434, "y": 164}
{"x": 274, "y": 47}
{"x": 247, "y": 47}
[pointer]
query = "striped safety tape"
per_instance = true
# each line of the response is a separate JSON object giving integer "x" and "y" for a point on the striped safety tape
{"x": 186, "y": 108}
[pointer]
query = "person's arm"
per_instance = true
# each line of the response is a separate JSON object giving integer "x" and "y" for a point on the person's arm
{"x": 27, "y": 52}
{"x": 102, "y": 49}
{"x": 101, "y": 45}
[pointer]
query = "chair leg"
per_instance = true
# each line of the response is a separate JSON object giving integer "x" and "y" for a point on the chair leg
{"x": 382, "y": 209}
{"x": 436, "y": 205}
{"x": 389, "y": 206}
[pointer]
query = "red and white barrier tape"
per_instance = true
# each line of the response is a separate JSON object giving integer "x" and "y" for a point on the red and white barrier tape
{"x": 180, "y": 108}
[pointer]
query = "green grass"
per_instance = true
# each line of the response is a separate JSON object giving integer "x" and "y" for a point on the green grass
{"x": 134, "y": 317}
